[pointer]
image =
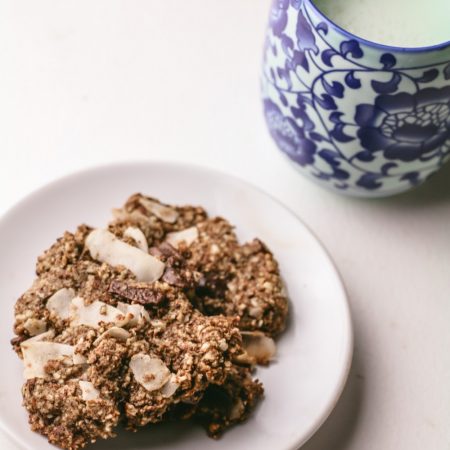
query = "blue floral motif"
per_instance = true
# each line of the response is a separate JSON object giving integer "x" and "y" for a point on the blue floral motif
{"x": 334, "y": 160}
{"x": 289, "y": 136}
{"x": 406, "y": 126}
{"x": 394, "y": 135}
{"x": 369, "y": 181}
{"x": 278, "y": 16}
{"x": 296, "y": 4}
{"x": 305, "y": 35}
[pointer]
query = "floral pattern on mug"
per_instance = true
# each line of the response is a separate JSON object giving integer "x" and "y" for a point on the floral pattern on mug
{"x": 357, "y": 118}
{"x": 406, "y": 126}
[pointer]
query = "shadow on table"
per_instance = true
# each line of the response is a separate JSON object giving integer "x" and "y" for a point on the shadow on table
{"x": 433, "y": 192}
{"x": 162, "y": 435}
{"x": 337, "y": 431}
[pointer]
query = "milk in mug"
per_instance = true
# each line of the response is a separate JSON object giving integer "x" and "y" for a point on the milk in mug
{"x": 400, "y": 23}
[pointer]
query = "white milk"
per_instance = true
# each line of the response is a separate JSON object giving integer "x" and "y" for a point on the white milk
{"x": 402, "y": 23}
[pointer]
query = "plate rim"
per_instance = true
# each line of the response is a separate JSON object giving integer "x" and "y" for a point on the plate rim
{"x": 129, "y": 165}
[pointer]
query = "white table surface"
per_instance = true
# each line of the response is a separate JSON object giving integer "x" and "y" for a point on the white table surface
{"x": 87, "y": 82}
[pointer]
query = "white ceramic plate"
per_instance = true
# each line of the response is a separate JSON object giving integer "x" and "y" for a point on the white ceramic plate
{"x": 314, "y": 354}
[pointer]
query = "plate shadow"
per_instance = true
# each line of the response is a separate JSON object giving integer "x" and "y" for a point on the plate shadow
{"x": 337, "y": 430}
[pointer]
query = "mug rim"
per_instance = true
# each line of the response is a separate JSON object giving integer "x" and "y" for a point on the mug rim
{"x": 383, "y": 47}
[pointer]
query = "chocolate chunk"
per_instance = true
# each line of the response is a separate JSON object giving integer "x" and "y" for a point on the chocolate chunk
{"x": 136, "y": 292}
{"x": 176, "y": 274}
{"x": 168, "y": 254}
{"x": 15, "y": 342}
{"x": 173, "y": 278}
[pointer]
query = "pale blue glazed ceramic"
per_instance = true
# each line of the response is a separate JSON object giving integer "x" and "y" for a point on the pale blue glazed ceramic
{"x": 358, "y": 117}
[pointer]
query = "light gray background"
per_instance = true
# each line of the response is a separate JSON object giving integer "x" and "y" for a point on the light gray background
{"x": 86, "y": 82}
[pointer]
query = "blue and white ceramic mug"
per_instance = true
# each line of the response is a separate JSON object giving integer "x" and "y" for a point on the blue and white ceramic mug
{"x": 358, "y": 117}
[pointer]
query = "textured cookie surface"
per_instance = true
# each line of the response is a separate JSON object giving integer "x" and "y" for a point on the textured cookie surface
{"x": 146, "y": 320}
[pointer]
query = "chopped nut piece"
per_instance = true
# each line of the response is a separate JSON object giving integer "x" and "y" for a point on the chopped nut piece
{"x": 104, "y": 246}
{"x": 258, "y": 346}
{"x": 170, "y": 387}
{"x": 134, "y": 313}
{"x": 149, "y": 371}
{"x": 59, "y": 302}
{"x": 39, "y": 337}
{"x": 237, "y": 409}
{"x": 37, "y": 354}
{"x": 117, "y": 333}
{"x": 79, "y": 359}
{"x": 35, "y": 326}
{"x": 163, "y": 212}
{"x": 95, "y": 313}
{"x": 188, "y": 236}
{"x": 134, "y": 216}
{"x": 138, "y": 236}
{"x": 88, "y": 391}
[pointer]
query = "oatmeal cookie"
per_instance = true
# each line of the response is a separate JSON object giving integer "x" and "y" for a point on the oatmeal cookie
{"x": 162, "y": 315}
{"x": 242, "y": 280}
{"x": 153, "y": 218}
